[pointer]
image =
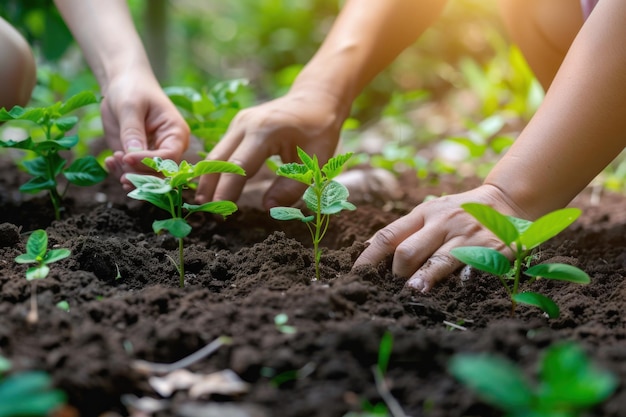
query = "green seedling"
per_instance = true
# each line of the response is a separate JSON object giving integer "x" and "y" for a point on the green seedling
{"x": 324, "y": 196}
{"x": 167, "y": 193}
{"x": 568, "y": 383}
{"x": 280, "y": 321}
{"x": 521, "y": 237}
{"x": 48, "y": 164}
{"x": 28, "y": 393}
{"x": 37, "y": 252}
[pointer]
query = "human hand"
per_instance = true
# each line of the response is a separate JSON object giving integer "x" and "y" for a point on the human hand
{"x": 307, "y": 119}
{"x": 422, "y": 240}
{"x": 140, "y": 121}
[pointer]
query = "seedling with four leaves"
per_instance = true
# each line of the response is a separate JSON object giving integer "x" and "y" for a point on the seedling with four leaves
{"x": 521, "y": 237}
{"x": 568, "y": 384}
{"x": 167, "y": 193}
{"x": 324, "y": 196}
{"x": 46, "y": 167}
{"x": 37, "y": 252}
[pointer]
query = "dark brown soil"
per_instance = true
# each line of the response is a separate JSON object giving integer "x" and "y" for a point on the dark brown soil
{"x": 125, "y": 305}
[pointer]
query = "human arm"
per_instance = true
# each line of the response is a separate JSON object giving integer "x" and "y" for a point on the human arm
{"x": 139, "y": 120}
{"x": 576, "y": 132}
{"x": 364, "y": 40}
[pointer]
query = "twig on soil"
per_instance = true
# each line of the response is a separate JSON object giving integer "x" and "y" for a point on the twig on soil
{"x": 393, "y": 406}
{"x": 164, "y": 368}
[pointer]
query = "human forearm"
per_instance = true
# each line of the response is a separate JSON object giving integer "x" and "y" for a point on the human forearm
{"x": 579, "y": 128}
{"x": 364, "y": 40}
{"x": 107, "y": 36}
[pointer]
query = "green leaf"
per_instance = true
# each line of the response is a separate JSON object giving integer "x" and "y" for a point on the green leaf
{"x": 33, "y": 114}
{"x": 29, "y": 394}
{"x": 484, "y": 259}
{"x": 334, "y": 165}
{"x": 548, "y": 226}
{"x": 309, "y": 162}
{"x": 297, "y": 172}
{"x": 337, "y": 207}
{"x": 66, "y": 123}
{"x": 538, "y": 300}
{"x": 493, "y": 220}
{"x": 569, "y": 380}
{"x": 54, "y": 255}
{"x": 81, "y": 99}
{"x": 162, "y": 201}
{"x": 563, "y": 272}
{"x": 36, "y": 166}
{"x": 85, "y": 171}
{"x": 26, "y": 258}
{"x": 177, "y": 227}
{"x": 147, "y": 184}
{"x": 219, "y": 167}
{"x": 27, "y": 144}
{"x": 37, "y": 272}
{"x": 496, "y": 380}
{"x": 34, "y": 185}
{"x": 334, "y": 195}
{"x": 223, "y": 208}
{"x": 37, "y": 244}
{"x": 286, "y": 213}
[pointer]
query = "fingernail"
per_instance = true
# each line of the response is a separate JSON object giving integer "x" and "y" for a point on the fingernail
{"x": 134, "y": 146}
{"x": 416, "y": 284}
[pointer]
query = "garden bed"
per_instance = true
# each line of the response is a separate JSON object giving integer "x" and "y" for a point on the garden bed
{"x": 125, "y": 305}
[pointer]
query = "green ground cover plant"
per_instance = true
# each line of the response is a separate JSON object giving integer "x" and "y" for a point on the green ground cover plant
{"x": 209, "y": 111}
{"x": 28, "y": 393}
{"x": 166, "y": 192}
{"x": 37, "y": 253}
{"x": 568, "y": 382}
{"x": 521, "y": 237}
{"x": 323, "y": 197}
{"x": 48, "y": 164}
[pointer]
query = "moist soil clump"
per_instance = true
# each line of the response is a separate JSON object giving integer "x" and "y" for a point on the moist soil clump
{"x": 125, "y": 305}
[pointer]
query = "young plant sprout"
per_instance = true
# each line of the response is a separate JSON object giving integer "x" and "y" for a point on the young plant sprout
{"x": 521, "y": 237}
{"x": 569, "y": 383}
{"x": 37, "y": 252}
{"x": 46, "y": 167}
{"x": 324, "y": 197}
{"x": 167, "y": 194}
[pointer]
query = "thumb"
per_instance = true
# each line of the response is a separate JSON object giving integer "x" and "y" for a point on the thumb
{"x": 132, "y": 132}
{"x": 283, "y": 192}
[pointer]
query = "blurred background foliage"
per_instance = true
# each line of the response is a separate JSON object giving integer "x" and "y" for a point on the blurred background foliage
{"x": 451, "y": 103}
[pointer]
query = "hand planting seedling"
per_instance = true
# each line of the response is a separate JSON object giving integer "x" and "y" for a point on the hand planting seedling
{"x": 167, "y": 194}
{"x": 37, "y": 252}
{"x": 324, "y": 196}
{"x": 521, "y": 237}
{"x": 46, "y": 167}
{"x": 568, "y": 383}
{"x": 28, "y": 393}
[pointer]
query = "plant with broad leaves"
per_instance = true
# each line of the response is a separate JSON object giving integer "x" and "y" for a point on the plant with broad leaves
{"x": 167, "y": 193}
{"x": 37, "y": 252}
{"x": 208, "y": 112}
{"x": 54, "y": 121}
{"x": 324, "y": 196}
{"x": 568, "y": 385}
{"x": 28, "y": 393}
{"x": 521, "y": 237}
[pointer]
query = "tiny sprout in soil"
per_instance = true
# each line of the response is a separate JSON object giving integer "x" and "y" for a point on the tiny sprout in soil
{"x": 323, "y": 197}
{"x": 569, "y": 383}
{"x": 37, "y": 252}
{"x": 521, "y": 237}
{"x": 167, "y": 194}
{"x": 49, "y": 164}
